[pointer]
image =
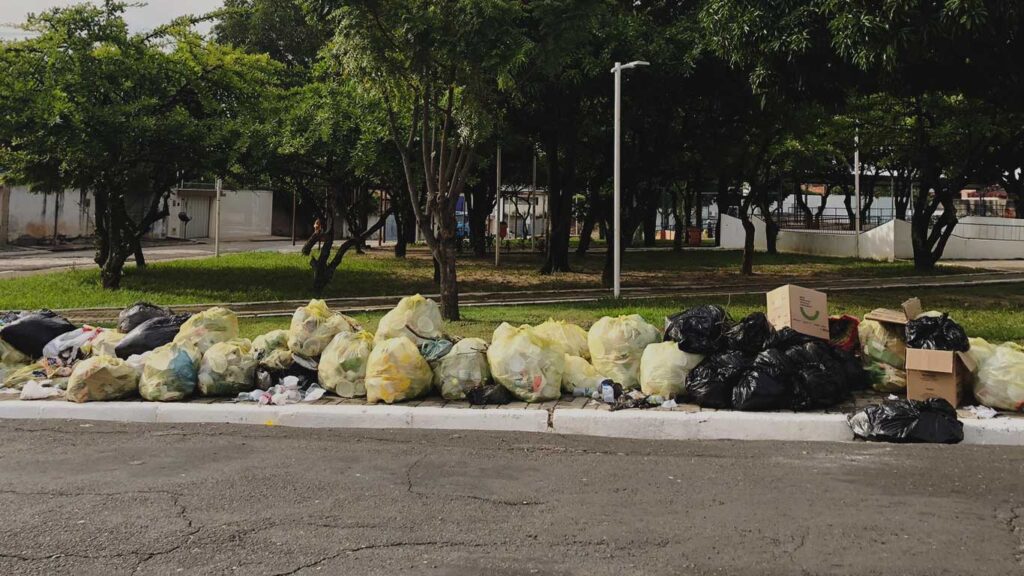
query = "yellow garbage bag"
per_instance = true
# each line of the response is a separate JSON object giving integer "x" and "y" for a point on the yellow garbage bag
{"x": 11, "y": 356}
{"x": 396, "y": 371}
{"x": 1000, "y": 379}
{"x": 228, "y": 368}
{"x": 342, "y": 367}
{"x": 616, "y": 345}
{"x": 462, "y": 369}
{"x": 980, "y": 351}
{"x": 664, "y": 368}
{"x": 170, "y": 373}
{"x": 272, "y": 350}
{"x": 568, "y": 337}
{"x": 891, "y": 380}
{"x": 102, "y": 378}
{"x": 208, "y": 328}
{"x": 105, "y": 343}
{"x": 527, "y": 364}
{"x": 882, "y": 342}
{"x": 17, "y": 376}
{"x": 314, "y": 326}
{"x": 580, "y": 374}
{"x": 415, "y": 317}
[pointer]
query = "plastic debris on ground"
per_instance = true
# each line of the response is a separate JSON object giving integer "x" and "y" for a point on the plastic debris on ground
{"x": 415, "y": 317}
{"x": 150, "y": 335}
{"x": 928, "y": 421}
{"x": 463, "y": 369}
{"x": 434, "y": 350}
{"x": 580, "y": 374}
{"x": 999, "y": 382}
{"x": 664, "y": 368}
{"x": 31, "y": 332}
{"x": 40, "y": 390}
{"x": 342, "y": 367}
{"x": 567, "y": 337}
{"x": 396, "y": 372}
{"x": 227, "y": 368}
{"x": 931, "y": 332}
{"x": 314, "y": 326}
{"x": 699, "y": 330}
{"x": 170, "y": 373}
{"x": 982, "y": 412}
{"x": 102, "y": 378}
{"x": 131, "y": 317}
{"x": 207, "y": 328}
{"x": 489, "y": 394}
{"x": 617, "y": 344}
{"x": 526, "y": 363}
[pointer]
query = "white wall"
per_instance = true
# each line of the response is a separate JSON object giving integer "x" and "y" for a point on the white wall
{"x": 246, "y": 214}
{"x": 32, "y": 214}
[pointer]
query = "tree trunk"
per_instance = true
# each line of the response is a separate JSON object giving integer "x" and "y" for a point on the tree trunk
{"x": 677, "y": 224}
{"x": 101, "y": 216}
{"x": 722, "y": 202}
{"x": 449, "y": 281}
{"x": 140, "y": 258}
{"x": 589, "y": 222}
{"x": 608, "y": 270}
{"x": 651, "y": 221}
{"x": 561, "y": 188}
{"x": 113, "y": 268}
{"x": 747, "y": 267}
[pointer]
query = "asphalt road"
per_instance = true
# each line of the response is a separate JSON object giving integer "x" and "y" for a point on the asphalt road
{"x": 138, "y": 499}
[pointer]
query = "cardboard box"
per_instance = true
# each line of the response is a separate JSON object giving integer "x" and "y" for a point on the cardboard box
{"x": 938, "y": 374}
{"x": 801, "y": 309}
{"x": 908, "y": 311}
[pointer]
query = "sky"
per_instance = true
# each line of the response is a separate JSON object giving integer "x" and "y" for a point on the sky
{"x": 147, "y": 17}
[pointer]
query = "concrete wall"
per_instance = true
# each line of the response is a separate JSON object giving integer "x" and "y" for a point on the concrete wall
{"x": 243, "y": 214}
{"x": 32, "y": 215}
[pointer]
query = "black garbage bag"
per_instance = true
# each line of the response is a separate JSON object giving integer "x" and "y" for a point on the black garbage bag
{"x": 489, "y": 394}
{"x": 30, "y": 333}
{"x": 266, "y": 378}
{"x": 149, "y": 335}
{"x": 933, "y": 421}
{"x": 937, "y": 333}
{"x": 775, "y": 362}
{"x": 131, "y": 317}
{"x": 699, "y": 330}
{"x": 852, "y": 368}
{"x": 787, "y": 338}
{"x": 818, "y": 386}
{"x": 8, "y": 317}
{"x": 751, "y": 335}
{"x": 759, "y": 390}
{"x": 710, "y": 384}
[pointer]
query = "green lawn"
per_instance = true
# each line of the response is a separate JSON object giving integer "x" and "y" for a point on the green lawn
{"x": 992, "y": 312}
{"x": 263, "y": 276}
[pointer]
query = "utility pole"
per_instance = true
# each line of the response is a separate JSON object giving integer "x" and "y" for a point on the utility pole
{"x": 616, "y": 235}
{"x": 216, "y": 234}
{"x": 856, "y": 184}
{"x": 497, "y": 219}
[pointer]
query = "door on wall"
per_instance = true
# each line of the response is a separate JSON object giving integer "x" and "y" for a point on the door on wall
{"x": 198, "y": 209}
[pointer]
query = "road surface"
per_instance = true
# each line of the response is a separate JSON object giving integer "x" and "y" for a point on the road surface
{"x": 112, "y": 499}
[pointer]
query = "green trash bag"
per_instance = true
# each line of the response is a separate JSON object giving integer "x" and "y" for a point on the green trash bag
{"x": 228, "y": 368}
{"x": 999, "y": 382}
{"x": 170, "y": 373}
{"x": 102, "y": 378}
{"x": 208, "y": 328}
{"x": 525, "y": 363}
{"x": 567, "y": 337}
{"x": 883, "y": 343}
{"x": 272, "y": 350}
{"x": 462, "y": 369}
{"x": 314, "y": 326}
{"x": 616, "y": 345}
{"x": 579, "y": 373}
{"x": 396, "y": 371}
{"x": 342, "y": 368}
{"x": 415, "y": 317}
{"x": 664, "y": 368}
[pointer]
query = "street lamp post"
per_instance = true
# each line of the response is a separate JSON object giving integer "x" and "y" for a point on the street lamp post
{"x": 856, "y": 185}
{"x": 617, "y": 203}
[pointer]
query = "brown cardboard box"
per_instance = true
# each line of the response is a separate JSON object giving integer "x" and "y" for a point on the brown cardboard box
{"x": 908, "y": 311}
{"x": 938, "y": 374}
{"x": 801, "y": 309}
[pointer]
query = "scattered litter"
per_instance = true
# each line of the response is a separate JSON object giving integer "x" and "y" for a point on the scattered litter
{"x": 40, "y": 390}
{"x": 983, "y": 412}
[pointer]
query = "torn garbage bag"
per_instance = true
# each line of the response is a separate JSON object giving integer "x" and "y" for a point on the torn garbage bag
{"x": 342, "y": 367}
{"x": 170, "y": 373}
{"x": 73, "y": 344}
{"x": 710, "y": 383}
{"x": 843, "y": 332}
{"x": 396, "y": 372}
{"x": 464, "y": 368}
{"x": 664, "y": 368}
{"x": 568, "y": 337}
{"x": 227, "y": 368}
{"x": 415, "y": 317}
{"x": 526, "y": 363}
{"x": 933, "y": 421}
{"x": 751, "y": 335}
{"x": 617, "y": 344}
{"x": 102, "y": 378}
{"x": 314, "y": 326}
{"x": 207, "y": 328}
{"x": 936, "y": 333}
{"x": 699, "y": 330}
{"x": 131, "y": 317}
{"x": 31, "y": 332}
{"x": 150, "y": 335}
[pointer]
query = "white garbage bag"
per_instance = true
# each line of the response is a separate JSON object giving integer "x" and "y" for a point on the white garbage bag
{"x": 664, "y": 368}
{"x": 527, "y": 364}
{"x": 396, "y": 371}
{"x": 342, "y": 368}
{"x": 462, "y": 369}
{"x": 616, "y": 345}
{"x": 568, "y": 337}
{"x": 415, "y": 317}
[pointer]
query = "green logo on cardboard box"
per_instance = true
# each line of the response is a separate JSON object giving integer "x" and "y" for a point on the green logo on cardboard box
{"x": 810, "y": 317}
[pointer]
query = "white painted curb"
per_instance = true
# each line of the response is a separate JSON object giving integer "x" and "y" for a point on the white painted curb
{"x": 724, "y": 425}
{"x": 997, "y": 431}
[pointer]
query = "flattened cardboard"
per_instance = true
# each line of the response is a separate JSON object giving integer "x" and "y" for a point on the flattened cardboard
{"x": 801, "y": 309}
{"x": 908, "y": 311}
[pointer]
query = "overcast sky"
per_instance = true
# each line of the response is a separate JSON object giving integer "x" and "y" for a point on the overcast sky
{"x": 156, "y": 12}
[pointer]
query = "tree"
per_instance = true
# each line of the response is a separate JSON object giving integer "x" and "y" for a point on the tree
{"x": 86, "y": 104}
{"x": 438, "y": 68}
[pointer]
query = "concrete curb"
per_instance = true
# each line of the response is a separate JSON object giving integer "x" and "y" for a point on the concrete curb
{"x": 635, "y": 424}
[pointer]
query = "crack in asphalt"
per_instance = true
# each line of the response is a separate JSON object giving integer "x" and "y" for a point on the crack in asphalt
{"x": 411, "y": 490}
{"x": 357, "y": 549}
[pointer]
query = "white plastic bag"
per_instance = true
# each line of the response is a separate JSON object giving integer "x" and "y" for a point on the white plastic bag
{"x": 462, "y": 369}
{"x": 396, "y": 371}
{"x": 342, "y": 367}
{"x": 664, "y": 368}
{"x": 415, "y": 317}
{"x": 527, "y": 364}
{"x": 568, "y": 337}
{"x": 72, "y": 341}
{"x": 616, "y": 345}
